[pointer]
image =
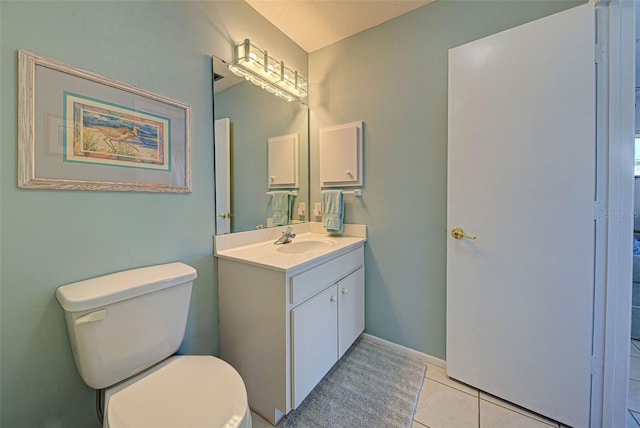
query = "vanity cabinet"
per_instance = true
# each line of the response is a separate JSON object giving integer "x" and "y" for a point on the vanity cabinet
{"x": 350, "y": 310}
{"x": 284, "y": 329}
{"x": 314, "y": 342}
{"x": 323, "y": 328}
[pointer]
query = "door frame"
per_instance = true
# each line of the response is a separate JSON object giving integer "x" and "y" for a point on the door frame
{"x": 614, "y": 210}
{"x": 222, "y": 175}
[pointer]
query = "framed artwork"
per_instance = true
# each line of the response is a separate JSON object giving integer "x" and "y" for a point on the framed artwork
{"x": 78, "y": 130}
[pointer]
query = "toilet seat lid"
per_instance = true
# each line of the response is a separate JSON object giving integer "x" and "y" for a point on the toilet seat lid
{"x": 188, "y": 391}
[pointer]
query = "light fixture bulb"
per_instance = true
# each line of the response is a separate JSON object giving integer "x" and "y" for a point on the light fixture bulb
{"x": 268, "y": 72}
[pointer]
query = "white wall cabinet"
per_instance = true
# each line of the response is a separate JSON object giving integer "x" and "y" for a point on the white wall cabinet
{"x": 283, "y": 155}
{"x": 340, "y": 155}
{"x": 284, "y": 330}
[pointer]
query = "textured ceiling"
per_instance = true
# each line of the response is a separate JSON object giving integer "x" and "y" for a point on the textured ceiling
{"x": 314, "y": 24}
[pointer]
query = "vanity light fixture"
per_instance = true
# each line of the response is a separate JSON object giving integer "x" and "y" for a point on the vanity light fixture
{"x": 268, "y": 72}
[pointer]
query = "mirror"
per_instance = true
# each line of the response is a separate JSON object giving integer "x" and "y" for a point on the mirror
{"x": 249, "y": 120}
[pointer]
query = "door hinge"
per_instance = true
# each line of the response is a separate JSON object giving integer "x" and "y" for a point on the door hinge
{"x": 595, "y": 365}
{"x": 598, "y": 53}
{"x": 598, "y": 212}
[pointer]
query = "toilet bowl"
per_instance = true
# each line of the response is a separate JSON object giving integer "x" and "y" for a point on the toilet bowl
{"x": 182, "y": 391}
{"x": 124, "y": 330}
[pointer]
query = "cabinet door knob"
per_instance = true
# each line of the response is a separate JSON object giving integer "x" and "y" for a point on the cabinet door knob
{"x": 345, "y": 291}
{"x": 332, "y": 299}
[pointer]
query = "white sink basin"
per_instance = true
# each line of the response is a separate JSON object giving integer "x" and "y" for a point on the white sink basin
{"x": 298, "y": 247}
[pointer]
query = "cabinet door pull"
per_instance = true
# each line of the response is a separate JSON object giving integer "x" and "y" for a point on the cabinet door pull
{"x": 332, "y": 299}
{"x": 345, "y": 291}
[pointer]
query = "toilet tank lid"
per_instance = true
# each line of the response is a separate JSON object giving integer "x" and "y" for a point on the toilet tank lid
{"x": 104, "y": 290}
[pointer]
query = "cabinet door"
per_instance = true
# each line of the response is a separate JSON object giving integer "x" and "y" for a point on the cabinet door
{"x": 350, "y": 309}
{"x": 315, "y": 342}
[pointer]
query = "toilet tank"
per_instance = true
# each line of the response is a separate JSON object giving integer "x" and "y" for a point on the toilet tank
{"x": 125, "y": 322}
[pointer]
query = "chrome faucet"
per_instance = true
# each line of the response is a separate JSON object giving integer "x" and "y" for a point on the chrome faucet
{"x": 286, "y": 237}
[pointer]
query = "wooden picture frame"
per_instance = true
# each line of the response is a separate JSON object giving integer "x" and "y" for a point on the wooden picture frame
{"x": 78, "y": 130}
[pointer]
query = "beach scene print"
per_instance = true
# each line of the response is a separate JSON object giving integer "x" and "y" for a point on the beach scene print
{"x": 109, "y": 134}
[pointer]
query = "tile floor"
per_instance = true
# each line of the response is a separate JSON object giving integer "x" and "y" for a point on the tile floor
{"x": 446, "y": 403}
{"x": 258, "y": 422}
{"x": 633, "y": 400}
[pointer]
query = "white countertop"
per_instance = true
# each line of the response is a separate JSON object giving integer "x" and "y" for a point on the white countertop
{"x": 285, "y": 257}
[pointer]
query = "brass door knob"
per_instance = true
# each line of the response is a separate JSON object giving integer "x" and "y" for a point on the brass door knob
{"x": 458, "y": 233}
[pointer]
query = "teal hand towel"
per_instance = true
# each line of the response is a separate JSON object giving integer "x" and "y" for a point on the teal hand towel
{"x": 332, "y": 210}
{"x": 280, "y": 204}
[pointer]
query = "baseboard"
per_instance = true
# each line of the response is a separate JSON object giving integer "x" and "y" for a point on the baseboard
{"x": 406, "y": 351}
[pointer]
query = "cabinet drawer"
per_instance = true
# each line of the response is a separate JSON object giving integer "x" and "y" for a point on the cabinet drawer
{"x": 309, "y": 283}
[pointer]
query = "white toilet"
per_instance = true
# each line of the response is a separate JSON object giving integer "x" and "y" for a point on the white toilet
{"x": 124, "y": 329}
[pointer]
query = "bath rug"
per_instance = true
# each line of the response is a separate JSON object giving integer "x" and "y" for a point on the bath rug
{"x": 370, "y": 386}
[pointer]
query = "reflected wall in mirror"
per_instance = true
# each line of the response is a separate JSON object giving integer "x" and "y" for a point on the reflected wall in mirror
{"x": 246, "y": 118}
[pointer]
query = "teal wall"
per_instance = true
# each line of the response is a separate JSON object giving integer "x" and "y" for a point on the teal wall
{"x": 394, "y": 78}
{"x": 50, "y": 238}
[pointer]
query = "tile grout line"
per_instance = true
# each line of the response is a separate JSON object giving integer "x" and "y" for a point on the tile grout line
{"x": 453, "y": 387}
{"x": 518, "y": 411}
{"x": 420, "y": 423}
{"x": 524, "y": 414}
{"x": 415, "y": 405}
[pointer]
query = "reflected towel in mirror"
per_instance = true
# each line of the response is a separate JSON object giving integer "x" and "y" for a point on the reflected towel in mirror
{"x": 280, "y": 205}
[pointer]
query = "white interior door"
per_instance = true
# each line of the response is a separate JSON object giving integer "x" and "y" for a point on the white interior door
{"x": 222, "y": 154}
{"x": 521, "y": 178}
